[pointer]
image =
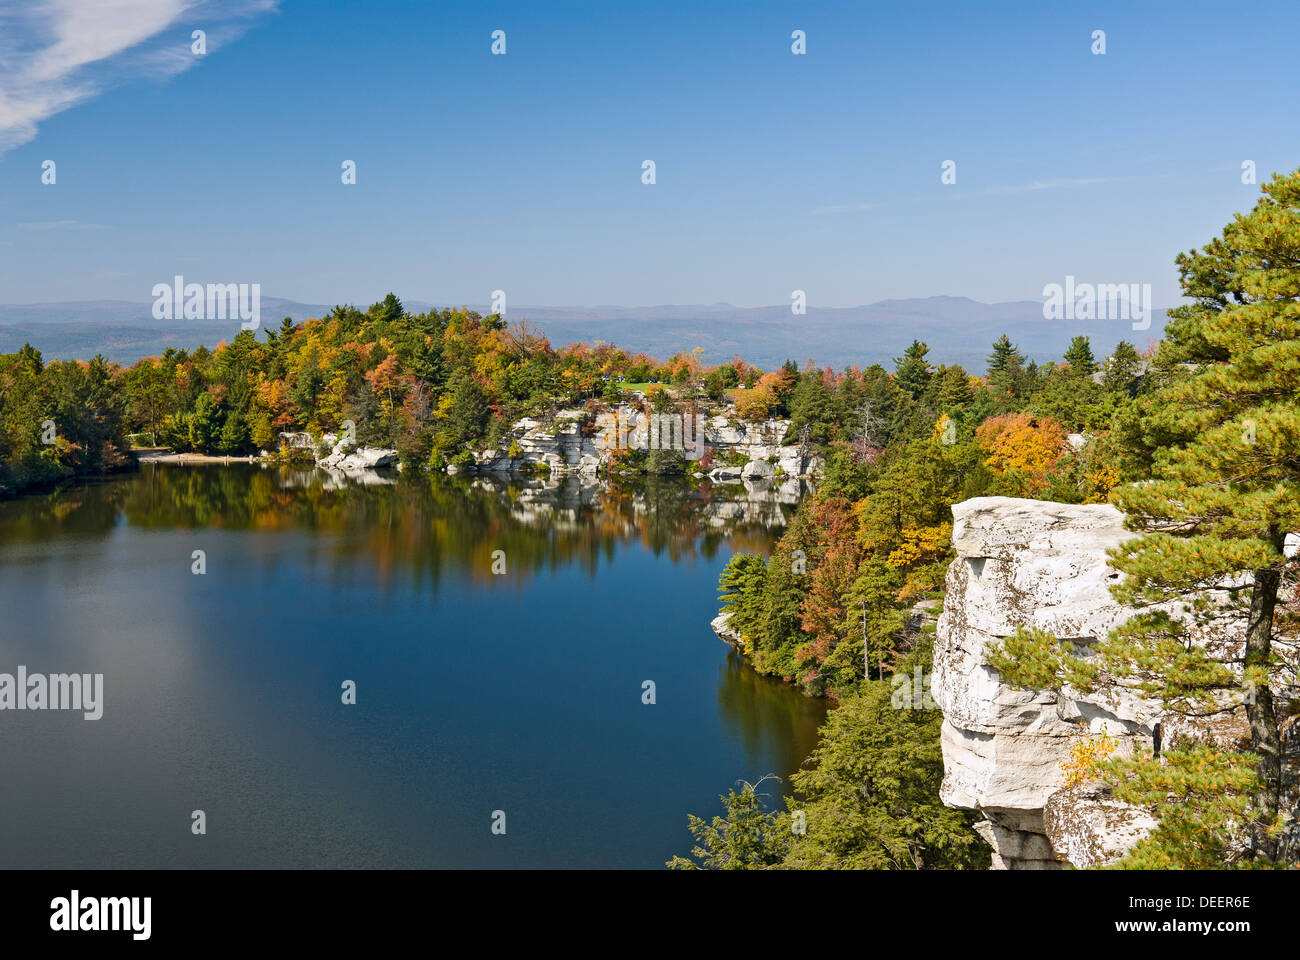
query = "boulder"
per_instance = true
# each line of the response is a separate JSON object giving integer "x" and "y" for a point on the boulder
{"x": 297, "y": 441}
{"x": 358, "y": 459}
{"x": 725, "y": 632}
{"x": 757, "y": 470}
{"x": 1088, "y": 827}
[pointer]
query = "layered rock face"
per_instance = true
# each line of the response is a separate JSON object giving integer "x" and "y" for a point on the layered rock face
{"x": 571, "y": 442}
{"x": 1032, "y": 563}
{"x": 760, "y": 443}
{"x": 561, "y": 444}
{"x": 1027, "y": 563}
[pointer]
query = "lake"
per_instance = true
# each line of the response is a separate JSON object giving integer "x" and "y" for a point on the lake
{"x": 475, "y": 691}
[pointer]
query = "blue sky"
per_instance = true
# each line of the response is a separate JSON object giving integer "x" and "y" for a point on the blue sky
{"x": 522, "y": 172}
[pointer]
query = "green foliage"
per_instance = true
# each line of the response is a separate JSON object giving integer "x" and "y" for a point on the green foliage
{"x": 741, "y": 592}
{"x": 1006, "y": 371}
{"x": 1033, "y": 659}
{"x": 663, "y": 463}
{"x": 1212, "y": 440}
{"x": 871, "y": 794}
{"x": 912, "y": 370}
{"x": 58, "y": 420}
{"x": 747, "y": 838}
{"x": 1219, "y": 432}
{"x": 869, "y": 800}
{"x": 1079, "y": 356}
{"x": 1200, "y": 798}
{"x": 784, "y": 591}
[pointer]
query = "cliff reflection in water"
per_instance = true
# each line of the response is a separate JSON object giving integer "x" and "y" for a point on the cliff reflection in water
{"x": 423, "y": 522}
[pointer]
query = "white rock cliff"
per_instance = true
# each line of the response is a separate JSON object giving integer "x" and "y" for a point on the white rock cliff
{"x": 1025, "y": 563}
{"x": 1033, "y": 563}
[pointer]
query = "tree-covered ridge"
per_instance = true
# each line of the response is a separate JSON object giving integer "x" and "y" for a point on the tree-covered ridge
{"x": 59, "y": 419}
{"x": 831, "y": 608}
{"x": 433, "y": 385}
{"x": 437, "y": 385}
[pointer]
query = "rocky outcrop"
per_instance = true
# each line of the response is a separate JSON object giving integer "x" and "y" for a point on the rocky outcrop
{"x": 299, "y": 441}
{"x": 1088, "y": 827}
{"x": 757, "y": 441}
{"x": 357, "y": 459}
{"x": 724, "y": 631}
{"x": 345, "y": 462}
{"x": 576, "y": 441}
{"x": 1030, "y": 563}
{"x": 563, "y": 444}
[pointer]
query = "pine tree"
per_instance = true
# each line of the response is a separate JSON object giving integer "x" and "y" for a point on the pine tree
{"x": 913, "y": 370}
{"x": 1007, "y": 367}
{"x": 1225, "y": 489}
{"x": 1005, "y": 356}
{"x": 1079, "y": 357}
{"x": 1219, "y": 435}
{"x": 952, "y": 389}
{"x": 870, "y": 793}
{"x": 1123, "y": 368}
{"x": 747, "y": 838}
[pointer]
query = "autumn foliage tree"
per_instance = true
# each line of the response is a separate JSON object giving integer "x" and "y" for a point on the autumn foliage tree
{"x": 1022, "y": 450}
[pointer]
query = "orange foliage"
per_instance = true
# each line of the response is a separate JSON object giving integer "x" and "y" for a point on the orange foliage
{"x": 1022, "y": 448}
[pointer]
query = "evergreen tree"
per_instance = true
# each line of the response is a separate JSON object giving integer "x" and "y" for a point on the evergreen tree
{"x": 1006, "y": 371}
{"x": 467, "y": 407}
{"x": 785, "y": 590}
{"x": 1226, "y": 491}
{"x": 1079, "y": 357}
{"x": 388, "y": 309}
{"x": 811, "y": 406}
{"x": 234, "y": 434}
{"x": 1123, "y": 368}
{"x": 747, "y": 838}
{"x": 870, "y": 797}
{"x": 1219, "y": 435}
{"x": 1005, "y": 357}
{"x": 913, "y": 370}
{"x": 951, "y": 389}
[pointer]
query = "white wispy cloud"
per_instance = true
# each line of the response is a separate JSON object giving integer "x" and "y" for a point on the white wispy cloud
{"x": 1033, "y": 185}
{"x": 845, "y": 208}
{"x": 59, "y": 225}
{"x": 58, "y": 53}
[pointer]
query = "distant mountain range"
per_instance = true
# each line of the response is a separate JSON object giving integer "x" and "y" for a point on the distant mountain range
{"x": 957, "y": 329}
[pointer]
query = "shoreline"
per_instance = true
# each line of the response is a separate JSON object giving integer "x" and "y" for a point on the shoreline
{"x": 185, "y": 458}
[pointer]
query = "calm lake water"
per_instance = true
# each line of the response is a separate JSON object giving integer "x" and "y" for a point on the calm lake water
{"x": 476, "y": 692}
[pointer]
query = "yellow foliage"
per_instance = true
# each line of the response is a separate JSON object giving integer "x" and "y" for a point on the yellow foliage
{"x": 756, "y": 404}
{"x": 918, "y": 544}
{"x": 941, "y": 426}
{"x": 1022, "y": 444}
{"x": 1103, "y": 481}
{"x": 1084, "y": 757}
